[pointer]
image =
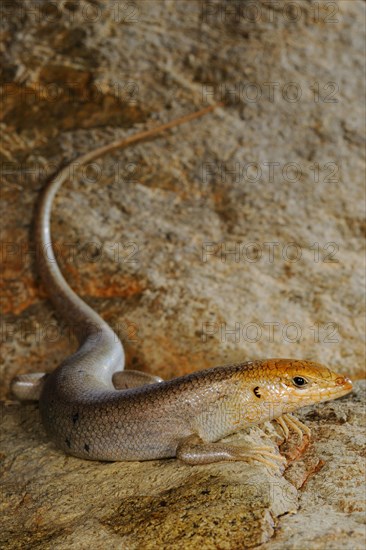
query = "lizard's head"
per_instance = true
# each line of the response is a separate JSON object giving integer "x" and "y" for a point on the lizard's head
{"x": 288, "y": 384}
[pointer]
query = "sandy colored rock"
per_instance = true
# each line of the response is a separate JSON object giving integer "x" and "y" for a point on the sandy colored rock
{"x": 50, "y": 500}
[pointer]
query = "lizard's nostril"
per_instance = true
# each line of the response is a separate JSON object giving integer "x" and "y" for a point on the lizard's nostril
{"x": 343, "y": 381}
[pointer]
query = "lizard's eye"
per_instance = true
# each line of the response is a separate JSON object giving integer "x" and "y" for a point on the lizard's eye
{"x": 299, "y": 381}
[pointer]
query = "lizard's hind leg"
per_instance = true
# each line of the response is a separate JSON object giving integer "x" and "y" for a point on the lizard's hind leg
{"x": 193, "y": 450}
{"x": 126, "y": 379}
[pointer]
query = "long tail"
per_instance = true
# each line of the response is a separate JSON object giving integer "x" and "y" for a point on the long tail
{"x": 68, "y": 304}
{"x": 85, "y": 321}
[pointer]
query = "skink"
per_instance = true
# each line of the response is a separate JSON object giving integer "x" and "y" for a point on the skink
{"x": 93, "y": 409}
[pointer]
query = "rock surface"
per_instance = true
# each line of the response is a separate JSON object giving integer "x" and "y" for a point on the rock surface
{"x": 50, "y": 500}
{"x": 230, "y": 238}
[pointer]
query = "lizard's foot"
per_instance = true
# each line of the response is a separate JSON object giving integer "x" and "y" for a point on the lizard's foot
{"x": 193, "y": 450}
{"x": 287, "y": 422}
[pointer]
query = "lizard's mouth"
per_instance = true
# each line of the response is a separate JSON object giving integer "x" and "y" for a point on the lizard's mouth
{"x": 343, "y": 385}
{"x": 340, "y": 386}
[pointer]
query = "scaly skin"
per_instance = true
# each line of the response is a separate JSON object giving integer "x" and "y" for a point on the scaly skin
{"x": 88, "y": 417}
{"x": 152, "y": 421}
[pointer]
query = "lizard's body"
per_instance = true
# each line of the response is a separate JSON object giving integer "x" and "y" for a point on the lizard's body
{"x": 88, "y": 417}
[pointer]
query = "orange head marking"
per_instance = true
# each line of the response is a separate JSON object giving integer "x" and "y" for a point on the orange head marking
{"x": 283, "y": 385}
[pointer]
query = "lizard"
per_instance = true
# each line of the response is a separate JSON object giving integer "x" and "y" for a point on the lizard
{"x": 94, "y": 409}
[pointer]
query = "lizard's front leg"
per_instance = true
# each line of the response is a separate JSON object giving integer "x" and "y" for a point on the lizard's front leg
{"x": 287, "y": 421}
{"x": 193, "y": 450}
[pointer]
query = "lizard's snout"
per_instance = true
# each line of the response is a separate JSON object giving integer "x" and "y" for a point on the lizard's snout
{"x": 345, "y": 382}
